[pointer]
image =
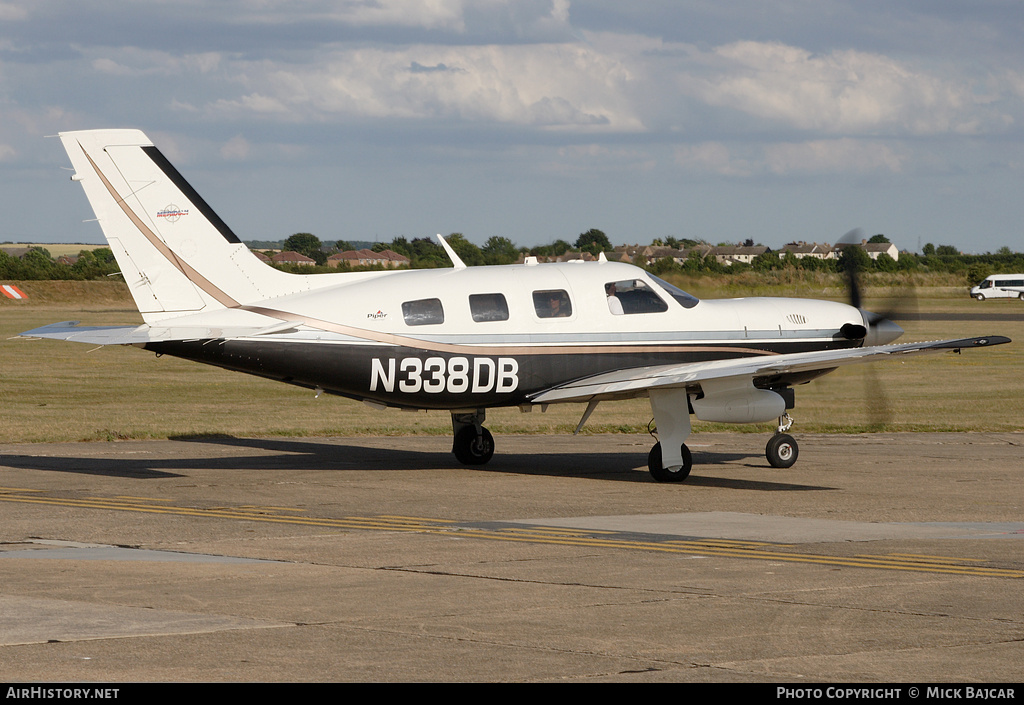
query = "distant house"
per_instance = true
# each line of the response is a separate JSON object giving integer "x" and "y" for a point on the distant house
{"x": 290, "y": 257}
{"x": 368, "y": 258}
{"x": 262, "y": 257}
{"x": 649, "y": 254}
{"x": 652, "y": 254}
{"x": 730, "y": 254}
{"x": 803, "y": 249}
{"x": 394, "y": 259}
{"x": 874, "y": 249}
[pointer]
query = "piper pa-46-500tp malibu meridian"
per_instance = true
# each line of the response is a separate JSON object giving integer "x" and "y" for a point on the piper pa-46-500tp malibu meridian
{"x": 462, "y": 339}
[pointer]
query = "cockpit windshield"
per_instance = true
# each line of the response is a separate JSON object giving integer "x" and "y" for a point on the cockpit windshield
{"x": 685, "y": 300}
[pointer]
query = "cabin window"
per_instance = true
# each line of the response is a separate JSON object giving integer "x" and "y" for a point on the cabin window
{"x": 424, "y": 312}
{"x": 552, "y": 303}
{"x": 632, "y": 296}
{"x": 488, "y": 307}
{"x": 685, "y": 300}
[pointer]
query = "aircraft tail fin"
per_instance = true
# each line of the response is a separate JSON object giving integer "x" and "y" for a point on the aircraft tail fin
{"x": 177, "y": 256}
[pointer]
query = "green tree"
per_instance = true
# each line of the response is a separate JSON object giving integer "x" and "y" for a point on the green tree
{"x": 928, "y": 250}
{"x": 499, "y": 250}
{"x": 885, "y": 263}
{"x": 766, "y": 261}
{"x": 878, "y": 238}
{"x": 593, "y": 241}
{"x": 400, "y": 245}
{"x": 469, "y": 253}
{"x": 306, "y": 244}
{"x": 854, "y": 256}
{"x": 978, "y": 272}
{"x": 426, "y": 253}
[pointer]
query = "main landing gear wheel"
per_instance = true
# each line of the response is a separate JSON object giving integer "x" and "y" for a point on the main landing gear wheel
{"x": 782, "y": 451}
{"x": 667, "y": 474}
{"x": 472, "y": 448}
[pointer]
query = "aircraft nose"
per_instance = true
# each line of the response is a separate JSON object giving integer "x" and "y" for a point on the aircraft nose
{"x": 880, "y": 329}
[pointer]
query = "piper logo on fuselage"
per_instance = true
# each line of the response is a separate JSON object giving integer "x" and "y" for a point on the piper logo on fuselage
{"x": 433, "y": 375}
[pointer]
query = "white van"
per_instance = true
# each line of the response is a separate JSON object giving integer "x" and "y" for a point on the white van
{"x": 1000, "y": 286}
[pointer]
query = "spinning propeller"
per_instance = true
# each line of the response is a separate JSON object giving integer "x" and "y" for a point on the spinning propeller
{"x": 878, "y": 329}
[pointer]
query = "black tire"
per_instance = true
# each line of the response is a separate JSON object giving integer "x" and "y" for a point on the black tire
{"x": 979, "y": 297}
{"x": 1021, "y": 297}
{"x": 663, "y": 475}
{"x": 473, "y": 449}
{"x": 782, "y": 451}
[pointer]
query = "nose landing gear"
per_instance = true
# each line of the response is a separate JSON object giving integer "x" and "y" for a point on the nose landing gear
{"x": 782, "y": 449}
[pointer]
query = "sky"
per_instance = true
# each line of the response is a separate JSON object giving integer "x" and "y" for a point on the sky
{"x": 534, "y": 120}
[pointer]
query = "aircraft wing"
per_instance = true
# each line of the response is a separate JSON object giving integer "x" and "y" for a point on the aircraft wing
{"x": 140, "y": 335}
{"x": 630, "y": 382}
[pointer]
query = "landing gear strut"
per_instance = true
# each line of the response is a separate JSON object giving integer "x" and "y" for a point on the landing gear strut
{"x": 473, "y": 444}
{"x": 672, "y": 417}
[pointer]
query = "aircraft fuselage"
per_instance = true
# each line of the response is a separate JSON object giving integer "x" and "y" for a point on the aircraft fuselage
{"x": 484, "y": 337}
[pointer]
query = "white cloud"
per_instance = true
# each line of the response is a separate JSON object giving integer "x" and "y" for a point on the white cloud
{"x": 254, "y": 103}
{"x": 542, "y": 85}
{"x": 713, "y": 158}
{"x": 590, "y": 160}
{"x": 832, "y": 156}
{"x": 429, "y": 14}
{"x": 848, "y": 91}
{"x": 518, "y": 18}
{"x": 835, "y": 156}
{"x": 12, "y": 13}
{"x": 236, "y": 149}
{"x": 131, "y": 62}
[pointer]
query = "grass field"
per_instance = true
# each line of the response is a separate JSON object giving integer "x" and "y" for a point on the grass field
{"x": 57, "y": 391}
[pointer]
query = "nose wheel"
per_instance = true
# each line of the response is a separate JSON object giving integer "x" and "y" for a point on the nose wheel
{"x": 782, "y": 451}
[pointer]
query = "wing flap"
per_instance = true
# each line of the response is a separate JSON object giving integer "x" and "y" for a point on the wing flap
{"x": 632, "y": 382}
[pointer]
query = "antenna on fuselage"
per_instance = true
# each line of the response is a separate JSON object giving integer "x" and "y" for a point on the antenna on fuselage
{"x": 459, "y": 264}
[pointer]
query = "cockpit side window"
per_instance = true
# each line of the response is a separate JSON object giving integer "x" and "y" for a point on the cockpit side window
{"x": 424, "y": 312}
{"x": 488, "y": 307}
{"x": 631, "y": 296}
{"x": 552, "y": 303}
{"x": 685, "y": 300}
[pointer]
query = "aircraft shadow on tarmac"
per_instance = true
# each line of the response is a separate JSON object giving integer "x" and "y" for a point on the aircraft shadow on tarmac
{"x": 290, "y": 454}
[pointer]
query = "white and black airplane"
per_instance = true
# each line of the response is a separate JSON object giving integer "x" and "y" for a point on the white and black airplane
{"x": 461, "y": 339}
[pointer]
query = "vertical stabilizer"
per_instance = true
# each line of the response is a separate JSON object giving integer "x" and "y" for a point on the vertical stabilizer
{"x": 176, "y": 254}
